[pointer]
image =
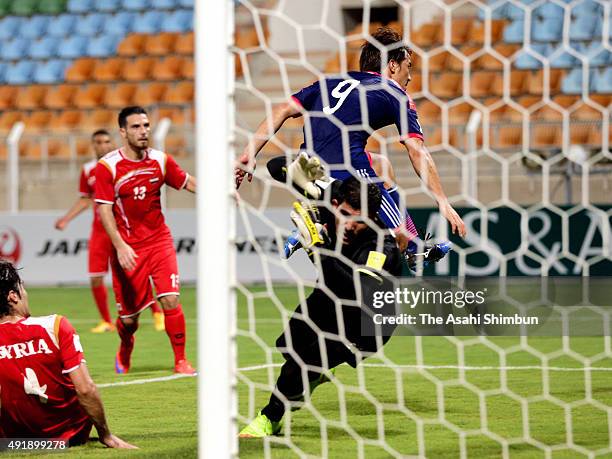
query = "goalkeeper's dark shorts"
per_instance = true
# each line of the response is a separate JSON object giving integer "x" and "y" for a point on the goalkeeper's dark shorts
{"x": 312, "y": 336}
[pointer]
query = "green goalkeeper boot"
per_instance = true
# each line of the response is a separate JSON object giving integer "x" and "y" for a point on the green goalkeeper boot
{"x": 260, "y": 427}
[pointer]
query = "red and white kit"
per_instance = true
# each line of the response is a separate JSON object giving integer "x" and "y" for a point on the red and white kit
{"x": 133, "y": 186}
{"x": 38, "y": 397}
{"x": 100, "y": 246}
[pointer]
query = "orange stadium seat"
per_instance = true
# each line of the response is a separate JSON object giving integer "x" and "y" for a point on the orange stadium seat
{"x": 65, "y": 120}
{"x": 601, "y": 99}
{"x": 480, "y": 84}
{"x": 59, "y": 97}
{"x": 132, "y": 45}
{"x": 459, "y": 114}
{"x": 460, "y": 30}
{"x": 109, "y": 69}
{"x": 7, "y": 97}
{"x": 175, "y": 145}
{"x": 548, "y": 135}
{"x": 30, "y": 97}
{"x": 90, "y": 96}
{"x": 445, "y": 85}
{"x": 426, "y": 35}
{"x": 185, "y": 44}
{"x": 120, "y": 95}
{"x": 491, "y": 62}
{"x": 160, "y": 44}
{"x": 437, "y": 62}
{"x": 595, "y": 138}
{"x": 535, "y": 81}
{"x": 100, "y": 118}
{"x": 7, "y": 119}
{"x": 506, "y": 136}
{"x": 181, "y": 93}
{"x": 168, "y": 68}
{"x": 546, "y": 113}
{"x": 528, "y": 101}
{"x": 81, "y": 70}
{"x": 416, "y": 83}
{"x": 428, "y": 111}
{"x": 58, "y": 148}
{"x": 37, "y": 120}
{"x": 517, "y": 83}
{"x": 245, "y": 39}
{"x": 176, "y": 115}
{"x": 189, "y": 68}
{"x": 150, "y": 94}
{"x": 477, "y": 33}
{"x": 586, "y": 112}
{"x": 139, "y": 69}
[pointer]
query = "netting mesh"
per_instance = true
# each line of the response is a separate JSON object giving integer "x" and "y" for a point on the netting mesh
{"x": 514, "y": 100}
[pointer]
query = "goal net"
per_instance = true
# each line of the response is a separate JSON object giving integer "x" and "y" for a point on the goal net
{"x": 513, "y": 98}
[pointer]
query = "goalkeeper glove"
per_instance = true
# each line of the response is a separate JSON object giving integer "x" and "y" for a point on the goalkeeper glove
{"x": 306, "y": 219}
{"x": 303, "y": 171}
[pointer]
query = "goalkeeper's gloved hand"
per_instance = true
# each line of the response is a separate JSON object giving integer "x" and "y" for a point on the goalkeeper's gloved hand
{"x": 303, "y": 171}
{"x": 306, "y": 218}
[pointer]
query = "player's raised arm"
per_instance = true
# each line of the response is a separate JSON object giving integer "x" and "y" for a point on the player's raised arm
{"x": 90, "y": 400}
{"x": 77, "y": 208}
{"x": 424, "y": 166}
{"x": 267, "y": 128}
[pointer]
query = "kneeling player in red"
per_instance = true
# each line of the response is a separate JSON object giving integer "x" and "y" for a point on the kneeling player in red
{"x": 46, "y": 390}
{"x": 128, "y": 183}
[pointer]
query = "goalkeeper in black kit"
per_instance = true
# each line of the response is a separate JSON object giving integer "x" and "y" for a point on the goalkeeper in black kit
{"x": 355, "y": 256}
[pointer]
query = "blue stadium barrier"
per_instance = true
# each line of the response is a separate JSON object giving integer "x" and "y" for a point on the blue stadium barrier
{"x": 149, "y": 22}
{"x": 178, "y": 21}
{"x": 120, "y": 23}
{"x": 109, "y": 6}
{"x": 44, "y": 48}
{"x": 50, "y": 72}
{"x": 72, "y": 47}
{"x": 62, "y": 25}
{"x": 15, "y": 49}
{"x": 513, "y": 32}
{"x": 20, "y": 72}
{"x": 80, "y": 6}
{"x": 90, "y": 25}
{"x": 9, "y": 27}
{"x": 35, "y": 27}
{"x": 135, "y": 5}
{"x": 103, "y": 45}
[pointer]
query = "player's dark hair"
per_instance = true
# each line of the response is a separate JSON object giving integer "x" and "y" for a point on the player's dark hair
{"x": 9, "y": 281}
{"x": 100, "y": 132}
{"x": 128, "y": 111}
{"x": 350, "y": 192}
{"x": 371, "y": 51}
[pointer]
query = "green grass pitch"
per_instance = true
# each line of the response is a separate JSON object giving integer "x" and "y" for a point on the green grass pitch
{"x": 376, "y": 411}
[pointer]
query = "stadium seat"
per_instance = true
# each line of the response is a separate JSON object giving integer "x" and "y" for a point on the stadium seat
{"x": 490, "y": 62}
{"x": 149, "y": 22}
{"x": 100, "y": 118}
{"x": 164, "y": 4}
{"x": 572, "y": 83}
{"x": 562, "y": 59}
{"x": 185, "y": 44}
{"x": 135, "y": 5}
{"x": 80, "y": 6}
{"x": 65, "y": 120}
{"x": 513, "y": 32}
{"x": 429, "y": 112}
{"x": 81, "y": 70}
{"x": 584, "y": 28}
{"x": 426, "y": 35}
{"x": 480, "y": 84}
{"x": 3, "y": 66}
{"x": 586, "y": 8}
{"x": 7, "y": 119}
{"x": 15, "y": 49}
{"x": 72, "y": 47}
{"x": 62, "y": 25}
{"x": 415, "y": 85}
{"x": 460, "y": 113}
{"x": 189, "y": 69}
{"x": 139, "y": 69}
{"x": 517, "y": 83}
{"x": 151, "y": 93}
{"x": 548, "y": 10}
{"x": 175, "y": 144}
{"x": 176, "y": 115}
{"x": 9, "y": 27}
{"x": 7, "y": 97}
{"x": 109, "y": 69}
{"x": 108, "y": 6}
{"x": 601, "y": 99}
{"x": 506, "y": 137}
{"x": 181, "y": 93}
{"x": 60, "y": 97}
{"x": 132, "y": 45}
{"x": 602, "y": 81}
{"x": 534, "y": 83}
{"x": 161, "y": 44}
{"x": 186, "y": 3}
{"x": 51, "y": 6}
{"x": 527, "y": 61}
{"x": 20, "y": 72}
{"x": 546, "y": 113}
{"x": 90, "y": 96}
{"x": 50, "y": 72}
{"x": 477, "y": 33}
{"x": 565, "y": 100}
{"x": 119, "y": 24}
{"x": 24, "y": 7}
{"x": 30, "y": 97}
{"x": 596, "y": 54}
{"x": 103, "y": 45}
{"x": 37, "y": 120}
{"x": 460, "y": 30}
{"x": 178, "y": 21}
{"x": 445, "y": 85}
{"x": 90, "y": 25}
{"x": 168, "y": 68}
{"x": 34, "y": 27}
{"x": 547, "y": 29}
{"x": 44, "y": 48}
{"x": 585, "y": 112}
{"x": 546, "y": 135}
{"x": 120, "y": 96}
{"x": 437, "y": 62}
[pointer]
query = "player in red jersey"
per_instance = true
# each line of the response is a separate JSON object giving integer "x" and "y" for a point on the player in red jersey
{"x": 128, "y": 183}
{"x": 45, "y": 387}
{"x": 100, "y": 246}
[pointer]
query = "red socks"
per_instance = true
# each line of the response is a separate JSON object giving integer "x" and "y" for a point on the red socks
{"x": 175, "y": 328}
{"x": 127, "y": 341}
{"x": 155, "y": 308}
{"x": 101, "y": 298}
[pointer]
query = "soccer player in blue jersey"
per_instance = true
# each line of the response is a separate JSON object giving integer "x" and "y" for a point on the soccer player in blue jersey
{"x": 342, "y": 113}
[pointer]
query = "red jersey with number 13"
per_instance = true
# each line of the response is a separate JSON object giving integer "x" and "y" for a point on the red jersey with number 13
{"x": 133, "y": 186}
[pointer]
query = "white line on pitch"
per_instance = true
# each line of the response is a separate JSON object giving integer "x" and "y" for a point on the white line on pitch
{"x": 448, "y": 367}
{"x": 145, "y": 381}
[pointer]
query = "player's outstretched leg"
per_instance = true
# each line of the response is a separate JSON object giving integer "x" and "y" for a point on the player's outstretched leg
{"x": 175, "y": 328}
{"x": 158, "y": 317}
{"x": 98, "y": 290}
{"x": 126, "y": 329}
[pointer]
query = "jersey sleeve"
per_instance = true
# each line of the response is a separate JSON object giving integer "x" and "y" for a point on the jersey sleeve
{"x": 84, "y": 188}
{"x": 71, "y": 351}
{"x": 406, "y": 117}
{"x": 307, "y": 96}
{"x": 175, "y": 176}
{"x": 104, "y": 190}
